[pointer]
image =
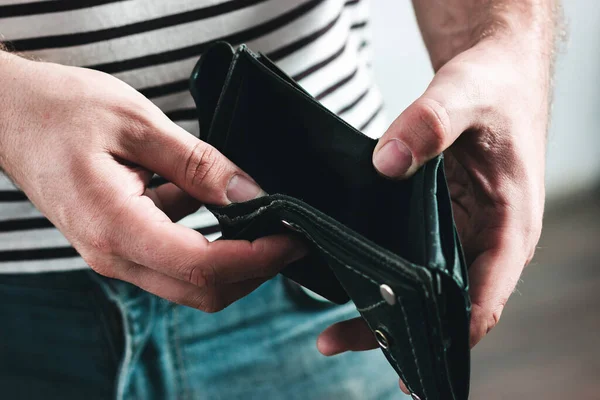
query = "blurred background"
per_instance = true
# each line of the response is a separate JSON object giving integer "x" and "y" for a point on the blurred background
{"x": 547, "y": 345}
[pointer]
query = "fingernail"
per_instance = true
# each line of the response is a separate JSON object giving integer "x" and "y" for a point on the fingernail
{"x": 242, "y": 189}
{"x": 403, "y": 387}
{"x": 393, "y": 159}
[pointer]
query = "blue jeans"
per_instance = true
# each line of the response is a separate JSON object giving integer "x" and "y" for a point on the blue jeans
{"x": 76, "y": 335}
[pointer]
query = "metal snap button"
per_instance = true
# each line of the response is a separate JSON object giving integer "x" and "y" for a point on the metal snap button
{"x": 382, "y": 339}
{"x": 289, "y": 226}
{"x": 388, "y": 294}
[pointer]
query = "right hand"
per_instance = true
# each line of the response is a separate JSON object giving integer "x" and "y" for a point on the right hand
{"x": 83, "y": 146}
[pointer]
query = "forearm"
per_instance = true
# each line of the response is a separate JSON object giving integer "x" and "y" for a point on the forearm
{"x": 4, "y": 107}
{"x": 453, "y": 26}
{"x": 18, "y": 80}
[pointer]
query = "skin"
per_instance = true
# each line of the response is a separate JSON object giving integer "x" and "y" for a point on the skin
{"x": 83, "y": 146}
{"x": 487, "y": 109}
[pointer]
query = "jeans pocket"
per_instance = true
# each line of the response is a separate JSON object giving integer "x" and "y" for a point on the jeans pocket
{"x": 54, "y": 337}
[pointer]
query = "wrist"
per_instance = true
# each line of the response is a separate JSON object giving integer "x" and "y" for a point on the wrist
{"x": 525, "y": 26}
{"x": 5, "y": 103}
{"x": 13, "y": 81}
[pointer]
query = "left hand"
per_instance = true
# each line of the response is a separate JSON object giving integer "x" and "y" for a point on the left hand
{"x": 487, "y": 109}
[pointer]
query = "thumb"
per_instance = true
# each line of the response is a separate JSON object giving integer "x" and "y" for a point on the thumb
{"x": 193, "y": 165}
{"x": 425, "y": 129}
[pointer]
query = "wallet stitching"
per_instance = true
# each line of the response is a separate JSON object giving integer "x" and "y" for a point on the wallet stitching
{"x": 376, "y": 257}
{"x": 412, "y": 347}
{"x": 389, "y": 353}
{"x": 368, "y": 308}
{"x": 280, "y": 203}
{"x": 371, "y": 307}
{"x": 335, "y": 228}
{"x": 401, "y": 372}
{"x": 344, "y": 264}
{"x": 364, "y": 253}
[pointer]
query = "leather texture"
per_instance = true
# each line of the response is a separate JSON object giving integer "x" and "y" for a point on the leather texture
{"x": 364, "y": 230}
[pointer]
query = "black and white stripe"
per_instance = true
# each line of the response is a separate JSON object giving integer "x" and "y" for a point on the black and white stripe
{"x": 153, "y": 45}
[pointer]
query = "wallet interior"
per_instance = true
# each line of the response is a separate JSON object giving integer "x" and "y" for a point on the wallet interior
{"x": 286, "y": 151}
{"x": 272, "y": 129}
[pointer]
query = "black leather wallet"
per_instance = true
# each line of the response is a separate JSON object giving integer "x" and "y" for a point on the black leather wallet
{"x": 389, "y": 246}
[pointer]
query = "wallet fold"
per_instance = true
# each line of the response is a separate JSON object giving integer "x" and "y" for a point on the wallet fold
{"x": 389, "y": 246}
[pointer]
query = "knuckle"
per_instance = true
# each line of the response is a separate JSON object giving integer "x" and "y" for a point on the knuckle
{"x": 487, "y": 319}
{"x": 434, "y": 119}
{"x": 267, "y": 264}
{"x": 201, "y": 165}
{"x": 139, "y": 126}
{"x": 483, "y": 319}
{"x": 105, "y": 240}
{"x": 101, "y": 242}
{"x": 135, "y": 120}
{"x": 259, "y": 250}
{"x": 213, "y": 307}
{"x": 101, "y": 267}
{"x": 202, "y": 276}
{"x": 196, "y": 301}
{"x": 205, "y": 302}
{"x": 493, "y": 320}
{"x": 138, "y": 122}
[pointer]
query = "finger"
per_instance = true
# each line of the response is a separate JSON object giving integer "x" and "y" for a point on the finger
{"x": 427, "y": 127}
{"x": 350, "y": 335}
{"x": 174, "y": 202}
{"x": 237, "y": 260}
{"x": 403, "y": 387}
{"x": 206, "y": 299}
{"x": 194, "y": 166}
{"x": 147, "y": 237}
{"x": 493, "y": 277}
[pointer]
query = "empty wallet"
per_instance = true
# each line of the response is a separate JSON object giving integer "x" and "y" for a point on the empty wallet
{"x": 389, "y": 246}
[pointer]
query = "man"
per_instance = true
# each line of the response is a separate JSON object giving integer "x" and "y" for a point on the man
{"x": 83, "y": 144}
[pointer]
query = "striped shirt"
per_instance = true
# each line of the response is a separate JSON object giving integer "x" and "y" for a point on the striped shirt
{"x": 153, "y": 45}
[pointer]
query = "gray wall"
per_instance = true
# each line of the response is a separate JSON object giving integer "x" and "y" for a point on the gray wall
{"x": 403, "y": 71}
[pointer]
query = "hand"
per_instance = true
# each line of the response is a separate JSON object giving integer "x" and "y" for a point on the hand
{"x": 487, "y": 109}
{"x": 83, "y": 146}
